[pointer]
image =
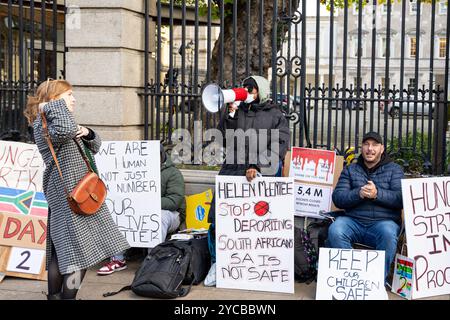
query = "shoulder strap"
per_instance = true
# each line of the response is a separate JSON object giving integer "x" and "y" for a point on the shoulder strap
{"x": 52, "y": 150}
{"x": 109, "y": 294}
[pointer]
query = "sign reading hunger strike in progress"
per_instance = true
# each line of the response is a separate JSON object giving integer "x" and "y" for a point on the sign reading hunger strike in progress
{"x": 312, "y": 165}
{"x": 21, "y": 166}
{"x": 131, "y": 171}
{"x": 349, "y": 274}
{"x": 255, "y": 233}
{"x": 426, "y": 205}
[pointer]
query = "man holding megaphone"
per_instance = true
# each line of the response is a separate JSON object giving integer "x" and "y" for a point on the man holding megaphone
{"x": 260, "y": 128}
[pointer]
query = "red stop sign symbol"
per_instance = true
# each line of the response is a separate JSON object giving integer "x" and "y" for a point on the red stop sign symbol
{"x": 261, "y": 208}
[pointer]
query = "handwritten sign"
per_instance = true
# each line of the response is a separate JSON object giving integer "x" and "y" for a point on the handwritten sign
{"x": 349, "y": 274}
{"x": 311, "y": 199}
{"x": 23, "y": 231}
{"x": 255, "y": 234}
{"x": 426, "y": 207}
{"x": 402, "y": 281}
{"x": 312, "y": 165}
{"x": 21, "y": 166}
{"x": 131, "y": 171}
{"x": 25, "y": 260}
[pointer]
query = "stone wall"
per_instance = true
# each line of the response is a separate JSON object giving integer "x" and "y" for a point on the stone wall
{"x": 105, "y": 64}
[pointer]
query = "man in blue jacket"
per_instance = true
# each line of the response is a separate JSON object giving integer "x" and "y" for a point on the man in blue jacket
{"x": 370, "y": 193}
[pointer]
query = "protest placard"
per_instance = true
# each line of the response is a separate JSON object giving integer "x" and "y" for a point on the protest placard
{"x": 402, "y": 280}
{"x": 350, "y": 274}
{"x": 426, "y": 203}
{"x": 21, "y": 166}
{"x": 131, "y": 171}
{"x": 312, "y": 165}
{"x": 255, "y": 234}
{"x": 312, "y": 199}
{"x": 23, "y": 228}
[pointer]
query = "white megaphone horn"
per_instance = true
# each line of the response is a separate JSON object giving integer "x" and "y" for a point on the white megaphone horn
{"x": 214, "y": 98}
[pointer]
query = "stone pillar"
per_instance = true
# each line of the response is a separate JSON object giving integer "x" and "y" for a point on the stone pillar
{"x": 105, "y": 64}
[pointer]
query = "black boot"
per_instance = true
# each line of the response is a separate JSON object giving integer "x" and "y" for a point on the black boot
{"x": 56, "y": 296}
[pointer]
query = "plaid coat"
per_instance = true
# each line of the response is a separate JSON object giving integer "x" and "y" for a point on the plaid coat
{"x": 80, "y": 241}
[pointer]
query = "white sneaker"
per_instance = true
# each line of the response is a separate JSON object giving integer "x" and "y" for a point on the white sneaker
{"x": 210, "y": 280}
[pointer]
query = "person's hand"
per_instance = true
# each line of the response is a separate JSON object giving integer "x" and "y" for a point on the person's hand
{"x": 232, "y": 107}
{"x": 368, "y": 191}
{"x": 251, "y": 174}
{"x": 82, "y": 131}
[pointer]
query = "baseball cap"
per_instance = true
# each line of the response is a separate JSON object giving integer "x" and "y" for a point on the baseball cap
{"x": 372, "y": 135}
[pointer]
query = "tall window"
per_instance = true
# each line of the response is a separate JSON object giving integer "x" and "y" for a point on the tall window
{"x": 411, "y": 84}
{"x": 412, "y": 48}
{"x": 383, "y": 47}
{"x": 354, "y": 46}
{"x": 442, "y": 46}
{"x": 443, "y": 7}
{"x": 413, "y": 6}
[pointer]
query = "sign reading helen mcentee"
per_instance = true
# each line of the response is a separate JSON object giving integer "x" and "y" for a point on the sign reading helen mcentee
{"x": 255, "y": 233}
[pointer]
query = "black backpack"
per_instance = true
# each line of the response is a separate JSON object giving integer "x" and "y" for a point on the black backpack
{"x": 168, "y": 267}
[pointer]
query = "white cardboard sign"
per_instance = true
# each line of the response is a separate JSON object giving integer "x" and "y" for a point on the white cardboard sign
{"x": 311, "y": 199}
{"x": 25, "y": 260}
{"x": 350, "y": 274}
{"x": 427, "y": 224}
{"x": 131, "y": 171}
{"x": 255, "y": 233}
{"x": 21, "y": 166}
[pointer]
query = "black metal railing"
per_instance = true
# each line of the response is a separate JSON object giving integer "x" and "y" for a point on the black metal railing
{"x": 350, "y": 69}
{"x": 31, "y": 49}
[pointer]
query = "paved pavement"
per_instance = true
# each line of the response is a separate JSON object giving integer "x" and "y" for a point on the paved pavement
{"x": 94, "y": 286}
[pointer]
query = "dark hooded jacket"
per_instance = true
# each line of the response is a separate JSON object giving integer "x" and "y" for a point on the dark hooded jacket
{"x": 262, "y": 116}
{"x": 172, "y": 188}
{"x": 386, "y": 176}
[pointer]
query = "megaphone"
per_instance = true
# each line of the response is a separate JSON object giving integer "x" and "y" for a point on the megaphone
{"x": 214, "y": 98}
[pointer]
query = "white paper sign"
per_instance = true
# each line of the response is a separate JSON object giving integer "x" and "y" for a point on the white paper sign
{"x": 25, "y": 260}
{"x": 426, "y": 207}
{"x": 402, "y": 280}
{"x": 311, "y": 199}
{"x": 350, "y": 274}
{"x": 312, "y": 165}
{"x": 21, "y": 166}
{"x": 255, "y": 234}
{"x": 131, "y": 171}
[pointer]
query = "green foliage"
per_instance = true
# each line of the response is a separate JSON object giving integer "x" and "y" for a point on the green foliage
{"x": 414, "y": 159}
{"x": 340, "y": 3}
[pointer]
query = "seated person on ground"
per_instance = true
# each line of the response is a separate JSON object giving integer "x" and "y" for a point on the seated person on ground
{"x": 172, "y": 209}
{"x": 370, "y": 193}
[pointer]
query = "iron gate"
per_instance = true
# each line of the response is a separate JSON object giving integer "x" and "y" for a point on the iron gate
{"x": 31, "y": 49}
{"x": 349, "y": 69}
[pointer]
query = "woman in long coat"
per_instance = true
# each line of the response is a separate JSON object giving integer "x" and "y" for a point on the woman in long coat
{"x": 74, "y": 242}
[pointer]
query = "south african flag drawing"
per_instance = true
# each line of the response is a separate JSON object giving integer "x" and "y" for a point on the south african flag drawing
{"x": 26, "y": 202}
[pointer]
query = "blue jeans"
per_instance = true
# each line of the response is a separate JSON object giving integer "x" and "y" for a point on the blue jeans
{"x": 382, "y": 235}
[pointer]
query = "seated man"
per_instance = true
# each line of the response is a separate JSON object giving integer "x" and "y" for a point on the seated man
{"x": 173, "y": 205}
{"x": 370, "y": 193}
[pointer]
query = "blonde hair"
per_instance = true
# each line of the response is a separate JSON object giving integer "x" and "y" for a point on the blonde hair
{"x": 46, "y": 91}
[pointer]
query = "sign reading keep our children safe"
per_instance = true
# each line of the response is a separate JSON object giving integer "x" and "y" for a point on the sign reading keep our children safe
{"x": 255, "y": 233}
{"x": 131, "y": 171}
{"x": 426, "y": 203}
{"x": 350, "y": 274}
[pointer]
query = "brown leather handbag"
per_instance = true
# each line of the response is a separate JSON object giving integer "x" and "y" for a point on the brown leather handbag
{"x": 90, "y": 192}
